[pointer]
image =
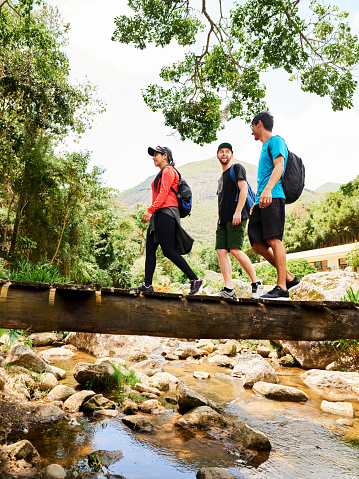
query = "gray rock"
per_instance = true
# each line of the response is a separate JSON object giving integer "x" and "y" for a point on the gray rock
{"x": 152, "y": 406}
{"x": 221, "y": 360}
{"x": 24, "y": 356}
{"x": 138, "y": 423}
{"x": 188, "y": 399}
{"x": 171, "y": 357}
{"x": 23, "y": 450}
{"x": 129, "y": 407}
{"x": 74, "y": 402}
{"x": 287, "y": 361}
{"x": 187, "y": 351}
{"x": 56, "y": 354}
{"x": 149, "y": 366}
{"x": 263, "y": 351}
{"x": 47, "y": 382}
{"x": 105, "y": 413}
{"x": 54, "y": 471}
{"x": 279, "y": 392}
{"x": 162, "y": 381}
{"x": 333, "y": 384}
{"x": 310, "y": 354}
{"x": 143, "y": 388}
{"x": 230, "y": 348}
{"x": 58, "y": 372}
{"x": 213, "y": 473}
{"x": 60, "y": 393}
{"x": 338, "y": 408}
{"x": 250, "y": 438}
{"x": 105, "y": 458}
{"x": 111, "y": 345}
{"x": 48, "y": 413}
{"x": 253, "y": 368}
{"x": 203, "y": 417}
{"x": 137, "y": 356}
{"x": 94, "y": 375}
{"x": 97, "y": 402}
{"x": 42, "y": 339}
{"x": 207, "y": 345}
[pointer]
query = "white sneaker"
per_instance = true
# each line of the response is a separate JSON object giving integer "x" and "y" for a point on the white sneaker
{"x": 257, "y": 290}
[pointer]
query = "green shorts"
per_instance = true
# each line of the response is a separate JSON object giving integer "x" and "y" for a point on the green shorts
{"x": 229, "y": 236}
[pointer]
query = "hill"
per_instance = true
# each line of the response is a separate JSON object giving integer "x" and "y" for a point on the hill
{"x": 203, "y": 177}
{"x": 332, "y": 187}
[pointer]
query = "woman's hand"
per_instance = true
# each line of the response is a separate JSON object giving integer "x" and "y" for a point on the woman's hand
{"x": 145, "y": 217}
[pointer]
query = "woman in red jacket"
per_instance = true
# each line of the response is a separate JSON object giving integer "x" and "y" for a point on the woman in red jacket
{"x": 163, "y": 215}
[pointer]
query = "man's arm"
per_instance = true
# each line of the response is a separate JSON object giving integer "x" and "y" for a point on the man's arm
{"x": 243, "y": 190}
{"x": 266, "y": 196}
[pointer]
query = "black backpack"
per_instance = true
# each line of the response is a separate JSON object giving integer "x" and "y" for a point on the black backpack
{"x": 184, "y": 196}
{"x": 293, "y": 177}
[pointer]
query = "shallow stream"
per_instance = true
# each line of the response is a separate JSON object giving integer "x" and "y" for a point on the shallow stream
{"x": 306, "y": 442}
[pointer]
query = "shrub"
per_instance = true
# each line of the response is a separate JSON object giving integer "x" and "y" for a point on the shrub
{"x": 352, "y": 258}
{"x": 41, "y": 272}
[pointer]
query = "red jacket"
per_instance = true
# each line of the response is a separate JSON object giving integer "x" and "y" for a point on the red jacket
{"x": 164, "y": 196}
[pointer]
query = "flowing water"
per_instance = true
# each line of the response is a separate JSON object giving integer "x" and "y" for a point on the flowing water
{"x": 306, "y": 442}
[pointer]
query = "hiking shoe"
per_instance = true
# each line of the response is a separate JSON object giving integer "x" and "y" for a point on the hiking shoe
{"x": 257, "y": 290}
{"x": 142, "y": 288}
{"x": 196, "y": 286}
{"x": 294, "y": 284}
{"x": 277, "y": 294}
{"x": 226, "y": 294}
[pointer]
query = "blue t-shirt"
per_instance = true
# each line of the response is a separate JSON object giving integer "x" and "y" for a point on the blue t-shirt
{"x": 265, "y": 166}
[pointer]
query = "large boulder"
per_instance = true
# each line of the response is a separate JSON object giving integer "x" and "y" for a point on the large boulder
{"x": 21, "y": 355}
{"x": 253, "y": 368}
{"x": 279, "y": 392}
{"x": 338, "y": 408}
{"x": 24, "y": 450}
{"x": 94, "y": 375}
{"x": 326, "y": 286}
{"x": 333, "y": 385}
{"x": 101, "y": 345}
{"x": 310, "y": 354}
{"x": 203, "y": 417}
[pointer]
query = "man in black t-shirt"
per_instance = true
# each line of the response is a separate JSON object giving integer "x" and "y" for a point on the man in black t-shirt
{"x": 232, "y": 221}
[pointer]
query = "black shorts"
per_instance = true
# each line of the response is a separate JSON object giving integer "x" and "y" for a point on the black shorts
{"x": 267, "y": 222}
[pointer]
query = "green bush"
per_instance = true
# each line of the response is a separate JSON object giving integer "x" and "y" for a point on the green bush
{"x": 41, "y": 272}
{"x": 268, "y": 274}
{"x": 4, "y": 272}
{"x": 300, "y": 267}
{"x": 352, "y": 258}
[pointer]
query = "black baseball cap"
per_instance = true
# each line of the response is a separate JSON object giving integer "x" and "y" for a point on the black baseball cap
{"x": 225, "y": 145}
{"x": 162, "y": 150}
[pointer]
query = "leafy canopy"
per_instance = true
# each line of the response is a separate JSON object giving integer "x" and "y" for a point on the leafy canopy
{"x": 219, "y": 79}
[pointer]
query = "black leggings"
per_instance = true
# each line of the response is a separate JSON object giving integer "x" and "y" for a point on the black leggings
{"x": 166, "y": 232}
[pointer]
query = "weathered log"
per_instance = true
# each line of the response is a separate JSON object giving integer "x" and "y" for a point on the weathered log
{"x": 45, "y": 307}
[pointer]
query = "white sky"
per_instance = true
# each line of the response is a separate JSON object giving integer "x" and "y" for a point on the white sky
{"x": 120, "y": 137}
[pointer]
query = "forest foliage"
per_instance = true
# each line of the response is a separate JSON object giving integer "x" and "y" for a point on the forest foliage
{"x": 227, "y": 48}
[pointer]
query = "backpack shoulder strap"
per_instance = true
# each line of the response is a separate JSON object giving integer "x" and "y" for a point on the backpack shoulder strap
{"x": 233, "y": 176}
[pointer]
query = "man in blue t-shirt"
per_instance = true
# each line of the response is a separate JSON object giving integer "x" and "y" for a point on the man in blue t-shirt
{"x": 266, "y": 223}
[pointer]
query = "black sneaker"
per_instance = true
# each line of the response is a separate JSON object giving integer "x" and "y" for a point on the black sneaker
{"x": 294, "y": 284}
{"x": 196, "y": 286}
{"x": 277, "y": 294}
{"x": 257, "y": 290}
{"x": 142, "y": 288}
{"x": 226, "y": 294}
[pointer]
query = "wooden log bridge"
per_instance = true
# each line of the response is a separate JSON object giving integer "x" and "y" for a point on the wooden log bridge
{"x": 65, "y": 307}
